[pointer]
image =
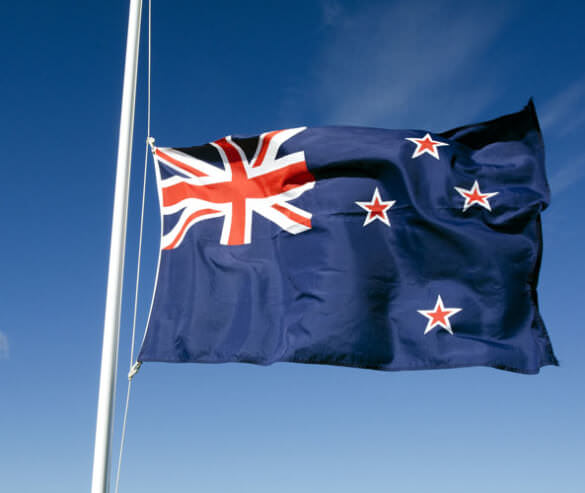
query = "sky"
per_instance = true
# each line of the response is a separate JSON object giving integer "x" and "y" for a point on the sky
{"x": 245, "y": 67}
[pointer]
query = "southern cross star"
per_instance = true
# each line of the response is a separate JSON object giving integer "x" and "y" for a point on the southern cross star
{"x": 439, "y": 316}
{"x": 377, "y": 209}
{"x": 474, "y": 196}
{"x": 426, "y": 145}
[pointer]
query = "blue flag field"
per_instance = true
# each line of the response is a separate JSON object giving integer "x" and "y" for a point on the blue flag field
{"x": 361, "y": 247}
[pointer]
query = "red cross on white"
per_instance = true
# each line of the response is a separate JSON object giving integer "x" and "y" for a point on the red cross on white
{"x": 377, "y": 208}
{"x": 426, "y": 145}
{"x": 264, "y": 185}
{"x": 439, "y": 315}
{"x": 474, "y": 196}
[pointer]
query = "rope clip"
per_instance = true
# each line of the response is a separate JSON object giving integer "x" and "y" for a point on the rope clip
{"x": 134, "y": 370}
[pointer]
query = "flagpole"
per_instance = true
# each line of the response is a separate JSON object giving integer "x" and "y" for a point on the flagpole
{"x": 107, "y": 387}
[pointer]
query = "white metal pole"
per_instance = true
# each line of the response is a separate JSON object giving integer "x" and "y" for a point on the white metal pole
{"x": 107, "y": 388}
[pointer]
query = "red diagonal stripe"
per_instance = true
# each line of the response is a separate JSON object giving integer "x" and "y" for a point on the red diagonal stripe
{"x": 187, "y": 223}
{"x": 179, "y": 164}
{"x": 264, "y": 148}
{"x": 293, "y": 216}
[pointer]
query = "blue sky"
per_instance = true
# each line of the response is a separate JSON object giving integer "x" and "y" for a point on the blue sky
{"x": 235, "y": 67}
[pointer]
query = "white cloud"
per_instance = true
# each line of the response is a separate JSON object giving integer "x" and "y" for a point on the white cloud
{"x": 568, "y": 175}
{"x": 566, "y": 111}
{"x": 4, "y": 349}
{"x": 403, "y": 62}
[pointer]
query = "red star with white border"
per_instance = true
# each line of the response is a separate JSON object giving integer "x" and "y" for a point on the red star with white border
{"x": 474, "y": 196}
{"x": 439, "y": 316}
{"x": 426, "y": 145}
{"x": 377, "y": 208}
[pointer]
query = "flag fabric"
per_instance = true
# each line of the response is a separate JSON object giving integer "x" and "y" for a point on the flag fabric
{"x": 351, "y": 246}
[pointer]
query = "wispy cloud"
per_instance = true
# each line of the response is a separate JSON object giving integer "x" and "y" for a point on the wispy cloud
{"x": 399, "y": 63}
{"x": 565, "y": 112}
{"x": 568, "y": 175}
{"x": 332, "y": 11}
{"x": 4, "y": 349}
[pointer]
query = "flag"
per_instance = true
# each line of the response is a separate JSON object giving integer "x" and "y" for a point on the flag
{"x": 351, "y": 246}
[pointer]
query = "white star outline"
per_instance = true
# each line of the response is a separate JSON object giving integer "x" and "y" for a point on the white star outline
{"x": 439, "y": 306}
{"x": 482, "y": 201}
{"x": 419, "y": 151}
{"x": 371, "y": 214}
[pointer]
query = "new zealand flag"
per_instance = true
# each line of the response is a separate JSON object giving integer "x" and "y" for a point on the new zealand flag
{"x": 363, "y": 247}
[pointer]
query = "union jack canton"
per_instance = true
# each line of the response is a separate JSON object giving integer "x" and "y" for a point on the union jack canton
{"x": 264, "y": 184}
